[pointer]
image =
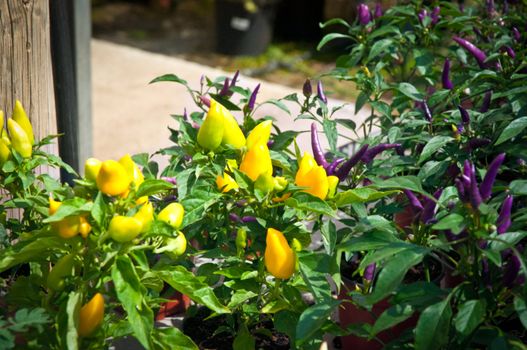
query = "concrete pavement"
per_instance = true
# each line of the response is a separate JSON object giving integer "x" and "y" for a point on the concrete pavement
{"x": 131, "y": 116}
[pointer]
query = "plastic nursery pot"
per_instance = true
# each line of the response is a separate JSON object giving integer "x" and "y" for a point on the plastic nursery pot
{"x": 350, "y": 314}
{"x": 239, "y": 32}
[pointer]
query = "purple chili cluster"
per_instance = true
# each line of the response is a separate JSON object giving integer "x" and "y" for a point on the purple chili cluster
{"x": 228, "y": 84}
{"x": 363, "y": 14}
{"x": 445, "y": 76}
{"x": 478, "y": 54}
{"x": 467, "y": 185}
{"x": 364, "y": 154}
{"x": 425, "y": 210}
{"x": 434, "y": 15}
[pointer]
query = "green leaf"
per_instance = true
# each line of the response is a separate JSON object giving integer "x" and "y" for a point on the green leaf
{"x": 379, "y": 47}
{"x": 359, "y": 103}
{"x": 151, "y": 187}
{"x": 470, "y": 314}
{"x": 239, "y": 297}
{"x": 99, "y": 209}
{"x": 185, "y": 282}
{"x": 171, "y": 78}
{"x": 313, "y": 318}
{"x": 244, "y": 340}
{"x": 392, "y": 316}
{"x": 26, "y": 318}
{"x": 433, "y": 326}
{"x": 173, "y": 338}
{"x": 347, "y": 123}
{"x": 434, "y": 144}
{"x": 278, "y": 104}
{"x": 329, "y": 37}
{"x": 131, "y": 294}
{"x": 361, "y": 195}
{"x": 410, "y": 91}
{"x": 314, "y": 268}
{"x": 520, "y": 305}
{"x": 453, "y": 222}
{"x": 368, "y": 241}
{"x": 514, "y": 128}
{"x": 75, "y": 206}
{"x": 31, "y": 250}
{"x": 393, "y": 272}
{"x": 73, "y": 306}
{"x": 403, "y": 182}
{"x": 518, "y": 187}
{"x": 308, "y": 202}
{"x": 329, "y": 236}
{"x": 330, "y": 130}
{"x": 506, "y": 240}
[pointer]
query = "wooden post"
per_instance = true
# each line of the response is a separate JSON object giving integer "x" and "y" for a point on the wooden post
{"x": 25, "y": 62}
{"x": 70, "y": 43}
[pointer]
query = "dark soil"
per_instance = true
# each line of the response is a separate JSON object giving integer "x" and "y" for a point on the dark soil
{"x": 201, "y": 331}
{"x": 187, "y": 31}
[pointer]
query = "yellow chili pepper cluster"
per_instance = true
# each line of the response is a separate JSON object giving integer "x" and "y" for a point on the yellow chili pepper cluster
{"x": 173, "y": 215}
{"x": 220, "y": 128}
{"x": 20, "y": 137}
{"x": 69, "y": 226}
{"x": 313, "y": 177}
{"x": 279, "y": 257}
{"x": 257, "y": 160}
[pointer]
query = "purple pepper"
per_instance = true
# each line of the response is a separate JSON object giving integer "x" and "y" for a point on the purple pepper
{"x": 486, "y": 186}
{"x": 516, "y": 34}
{"x": 345, "y": 168}
{"x": 510, "y": 52}
{"x": 414, "y": 201}
{"x": 480, "y": 34}
{"x": 185, "y": 115}
{"x": 252, "y": 99}
{"x": 421, "y": 15}
{"x": 465, "y": 117}
{"x": 378, "y": 10}
{"x": 320, "y": 93}
{"x": 317, "y": 148}
{"x": 485, "y": 105}
{"x": 435, "y": 14}
{"x": 491, "y": 9}
{"x": 461, "y": 190}
{"x": 427, "y": 112}
{"x": 270, "y": 143}
{"x": 234, "y": 217}
{"x": 369, "y": 272}
{"x": 504, "y": 219}
{"x": 307, "y": 90}
{"x": 247, "y": 219}
{"x": 225, "y": 89}
{"x": 460, "y": 129}
{"x": 453, "y": 170}
{"x": 330, "y": 170}
{"x": 475, "y": 195}
{"x": 511, "y": 271}
{"x": 205, "y": 100}
{"x": 476, "y": 143}
{"x": 234, "y": 78}
{"x": 170, "y": 180}
{"x": 374, "y": 151}
{"x": 447, "y": 84}
{"x": 363, "y": 14}
{"x": 478, "y": 54}
{"x": 505, "y": 7}
{"x": 429, "y": 207}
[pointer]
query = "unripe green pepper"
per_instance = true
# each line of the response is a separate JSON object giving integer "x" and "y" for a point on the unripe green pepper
{"x": 264, "y": 183}
{"x": 173, "y": 247}
{"x": 19, "y": 139}
{"x": 20, "y": 116}
{"x": 232, "y": 134}
{"x": 210, "y": 134}
{"x": 63, "y": 268}
{"x": 241, "y": 241}
{"x": 92, "y": 166}
{"x": 280, "y": 183}
{"x": 333, "y": 182}
{"x": 124, "y": 228}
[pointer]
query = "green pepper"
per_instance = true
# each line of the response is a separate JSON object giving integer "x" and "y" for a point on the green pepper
{"x": 241, "y": 241}
{"x": 63, "y": 268}
{"x": 210, "y": 134}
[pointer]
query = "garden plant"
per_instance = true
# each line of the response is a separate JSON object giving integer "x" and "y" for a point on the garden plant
{"x": 426, "y": 215}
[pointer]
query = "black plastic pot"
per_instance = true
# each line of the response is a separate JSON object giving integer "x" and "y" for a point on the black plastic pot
{"x": 239, "y": 32}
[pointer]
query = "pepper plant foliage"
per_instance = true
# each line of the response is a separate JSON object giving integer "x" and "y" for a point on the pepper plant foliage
{"x": 428, "y": 212}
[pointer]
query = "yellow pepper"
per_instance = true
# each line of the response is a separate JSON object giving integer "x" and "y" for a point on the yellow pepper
{"x": 313, "y": 177}
{"x": 210, "y": 134}
{"x": 67, "y": 227}
{"x": 124, "y": 228}
{"x": 232, "y": 134}
{"x": 91, "y": 315}
{"x": 260, "y": 133}
{"x": 112, "y": 178}
{"x": 279, "y": 257}
{"x": 19, "y": 139}
{"x": 226, "y": 183}
{"x": 132, "y": 170}
{"x": 172, "y": 214}
{"x": 92, "y": 166}
{"x": 84, "y": 227}
{"x": 333, "y": 182}
{"x": 257, "y": 161}
{"x": 146, "y": 215}
{"x": 20, "y": 116}
{"x": 5, "y": 152}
